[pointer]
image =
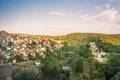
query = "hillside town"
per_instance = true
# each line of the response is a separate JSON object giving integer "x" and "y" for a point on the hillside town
{"x": 12, "y": 45}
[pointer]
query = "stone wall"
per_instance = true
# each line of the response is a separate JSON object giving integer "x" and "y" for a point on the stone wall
{"x": 5, "y": 71}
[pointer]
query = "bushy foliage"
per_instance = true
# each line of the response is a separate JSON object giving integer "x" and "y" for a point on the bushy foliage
{"x": 108, "y": 47}
{"x": 26, "y": 74}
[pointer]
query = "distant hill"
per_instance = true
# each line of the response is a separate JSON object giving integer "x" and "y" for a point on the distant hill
{"x": 76, "y": 38}
{"x": 84, "y": 38}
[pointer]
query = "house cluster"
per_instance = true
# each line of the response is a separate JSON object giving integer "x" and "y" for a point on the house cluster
{"x": 14, "y": 44}
{"x": 97, "y": 54}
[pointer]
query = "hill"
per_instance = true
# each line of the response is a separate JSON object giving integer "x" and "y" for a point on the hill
{"x": 84, "y": 38}
{"x": 75, "y": 38}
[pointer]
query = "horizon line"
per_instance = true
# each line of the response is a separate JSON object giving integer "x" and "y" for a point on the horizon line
{"x": 59, "y": 34}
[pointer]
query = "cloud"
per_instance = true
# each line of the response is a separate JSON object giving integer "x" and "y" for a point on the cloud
{"x": 97, "y": 8}
{"x": 105, "y": 16}
{"x": 59, "y": 13}
{"x": 109, "y": 15}
{"x": 87, "y": 18}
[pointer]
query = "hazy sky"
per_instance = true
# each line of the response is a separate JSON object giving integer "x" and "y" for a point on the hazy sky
{"x": 57, "y": 17}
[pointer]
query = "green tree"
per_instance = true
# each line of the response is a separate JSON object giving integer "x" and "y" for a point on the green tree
{"x": 98, "y": 75}
{"x": 84, "y": 51}
{"x": 18, "y": 58}
{"x": 26, "y": 74}
{"x": 77, "y": 65}
{"x": 112, "y": 66}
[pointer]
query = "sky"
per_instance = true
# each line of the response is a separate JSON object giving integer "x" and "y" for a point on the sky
{"x": 59, "y": 17}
